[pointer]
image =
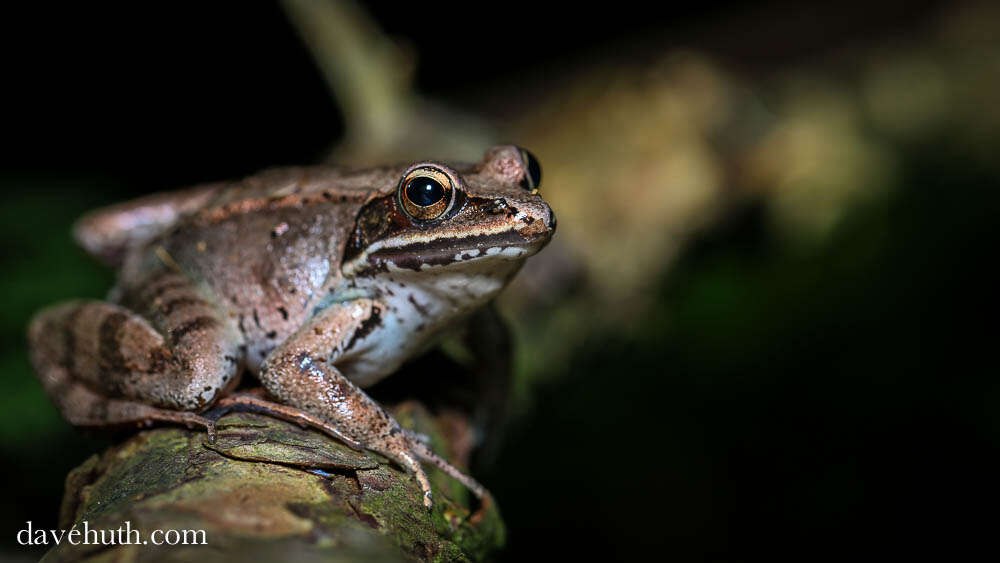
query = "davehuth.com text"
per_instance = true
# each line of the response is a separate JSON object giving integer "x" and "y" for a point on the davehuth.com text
{"x": 83, "y": 534}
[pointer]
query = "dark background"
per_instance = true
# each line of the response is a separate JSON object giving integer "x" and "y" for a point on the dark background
{"x": 769, "y": 403}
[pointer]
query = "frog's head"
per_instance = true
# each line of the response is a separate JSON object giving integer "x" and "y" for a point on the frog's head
{"x": 482, "y": 219}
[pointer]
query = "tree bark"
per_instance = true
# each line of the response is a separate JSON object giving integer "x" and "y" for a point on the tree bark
{"x": 268, "y": 490}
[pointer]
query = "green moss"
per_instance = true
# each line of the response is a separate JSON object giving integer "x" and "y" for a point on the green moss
{"x": 357, "y": 508}
{"x": 153, "y": 461}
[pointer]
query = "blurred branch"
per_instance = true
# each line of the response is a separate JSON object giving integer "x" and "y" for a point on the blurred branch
{"x": 366, "y": 71}
{"x": 371, "y": 77}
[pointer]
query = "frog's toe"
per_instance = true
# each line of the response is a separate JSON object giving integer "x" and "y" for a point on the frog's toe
{"x": 422, "y": 438}
{"x": 426, "y": 454}
{"x": 407, "y": 460}
{"x": 210, "y": 428}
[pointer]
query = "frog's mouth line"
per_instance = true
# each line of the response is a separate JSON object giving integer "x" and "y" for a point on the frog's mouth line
{"x": 507, "y": 245}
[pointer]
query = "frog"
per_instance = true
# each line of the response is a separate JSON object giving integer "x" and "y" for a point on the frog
{"x": 319, "y": 281}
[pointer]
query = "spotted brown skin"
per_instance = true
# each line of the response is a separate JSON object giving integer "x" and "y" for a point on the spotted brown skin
{"x": 316, "y": 280}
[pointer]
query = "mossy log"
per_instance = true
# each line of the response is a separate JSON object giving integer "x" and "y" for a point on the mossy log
{"x": 267, "y": 490}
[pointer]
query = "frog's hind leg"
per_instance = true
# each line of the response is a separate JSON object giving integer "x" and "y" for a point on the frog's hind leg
{"x": 107, "y": 233}
{"x": 103, "y": 365}
{"x": 248, "y": 402}
{"x": 83, "y": 407}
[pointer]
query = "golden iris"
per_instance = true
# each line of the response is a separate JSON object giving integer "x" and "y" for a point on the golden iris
{"x": 425, "y": 193}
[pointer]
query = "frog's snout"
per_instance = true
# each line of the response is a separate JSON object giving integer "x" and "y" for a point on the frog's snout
{"x": 545, "y": 218}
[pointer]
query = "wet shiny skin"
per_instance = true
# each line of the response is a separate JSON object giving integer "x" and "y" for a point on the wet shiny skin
{"x": 317, "y": 280}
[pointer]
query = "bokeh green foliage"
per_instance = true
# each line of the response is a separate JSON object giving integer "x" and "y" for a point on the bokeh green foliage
{"x": 775, "y": 399}
{"x": 40, "y": 266}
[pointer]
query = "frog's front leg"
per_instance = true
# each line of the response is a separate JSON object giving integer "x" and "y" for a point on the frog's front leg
{"x": 104, "y": 364}
{"x": 302, "y": 373}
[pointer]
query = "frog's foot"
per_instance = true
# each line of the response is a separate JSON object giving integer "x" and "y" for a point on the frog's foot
{"x": 407, "y": 451}
{"x": 408, "y": 461}
{"x": 485, "y": 500}
{"x": 253, "y": 402}
{"x": 425, "y": 453}
{"x": 422, "y": 438}
{"x": 84, "y": 407}
{"x": 189, "y": 419}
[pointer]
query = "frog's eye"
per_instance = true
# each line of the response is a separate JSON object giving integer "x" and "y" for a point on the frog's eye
{"x": 425, "y": 193}
{"x": 533, "y": 176}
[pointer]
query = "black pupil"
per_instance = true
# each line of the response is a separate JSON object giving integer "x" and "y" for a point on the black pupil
{"x": 424, "y": 191}
{"x": 532, "y": 180}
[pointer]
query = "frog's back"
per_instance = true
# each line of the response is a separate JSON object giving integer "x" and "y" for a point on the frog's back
{"x": 109, "y": 233}
{"x": 281, "y": 230}
{"x": 262, "y": 247}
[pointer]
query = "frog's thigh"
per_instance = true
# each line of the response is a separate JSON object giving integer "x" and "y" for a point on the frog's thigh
{"x": 200, "y": 336}
{"x": 88, "y": 350}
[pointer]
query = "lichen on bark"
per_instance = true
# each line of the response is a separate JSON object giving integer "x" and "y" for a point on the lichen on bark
{"x": 269, "y": 490}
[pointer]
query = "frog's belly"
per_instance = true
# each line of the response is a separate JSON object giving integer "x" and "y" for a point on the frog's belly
{"x": 417, "y": 311}
{"x": 384, "y": 350}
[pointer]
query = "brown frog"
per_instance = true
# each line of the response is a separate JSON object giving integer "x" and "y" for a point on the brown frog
{"x": 317, "y": 280}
